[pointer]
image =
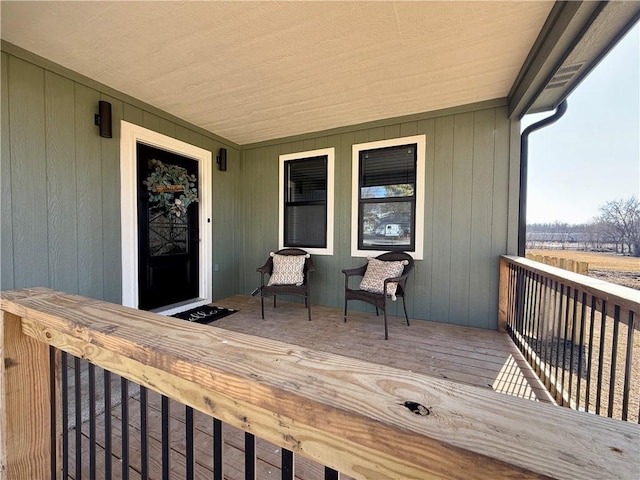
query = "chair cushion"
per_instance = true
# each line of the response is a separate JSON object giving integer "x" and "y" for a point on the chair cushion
{"x": 287, "y": 269}
{"x": 377, "y": 271}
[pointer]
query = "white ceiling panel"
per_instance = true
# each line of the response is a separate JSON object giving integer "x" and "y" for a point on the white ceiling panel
{"x": 253, "y": 71}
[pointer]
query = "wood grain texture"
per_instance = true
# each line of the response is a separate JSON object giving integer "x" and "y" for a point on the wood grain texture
{"x": 24, "y": 403}
{"x": 340, "y": 411}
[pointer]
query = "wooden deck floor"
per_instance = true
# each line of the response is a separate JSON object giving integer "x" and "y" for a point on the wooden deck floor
{"x": 482, "y": 358}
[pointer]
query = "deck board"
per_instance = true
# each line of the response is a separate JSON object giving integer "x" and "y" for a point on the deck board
{"x": 482, "y": 358}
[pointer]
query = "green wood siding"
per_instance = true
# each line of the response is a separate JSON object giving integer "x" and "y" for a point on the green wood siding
{"x": 60, "y": 190}
{"x": 466, "y": 213}
{"x": 60, "y": 196}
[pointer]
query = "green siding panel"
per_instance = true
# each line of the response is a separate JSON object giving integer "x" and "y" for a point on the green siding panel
{"x": 60, "y": 192}
{"x": 482, "y": 204}
{"x": 28, "y": 174}
{"x": 461, "y": 218}
{"x": 111, "y": 231}
{"x": 6, "y": 219}
{"x": 466, "y": 179}
{"x": 61, "y": 183}
{"x": 60, "y": 186}
{"x": 89, "y": 194}
{"x": 442, "y": 215}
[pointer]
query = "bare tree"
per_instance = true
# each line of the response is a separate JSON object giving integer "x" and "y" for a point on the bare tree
{"x": 621, "y": 218}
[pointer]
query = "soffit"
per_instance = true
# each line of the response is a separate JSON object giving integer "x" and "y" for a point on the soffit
{"x": 254, "y": 71}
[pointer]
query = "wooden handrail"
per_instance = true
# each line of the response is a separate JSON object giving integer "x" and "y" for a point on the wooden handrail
{"x": 342, "y": 412}
{"x": 627, "y": 298}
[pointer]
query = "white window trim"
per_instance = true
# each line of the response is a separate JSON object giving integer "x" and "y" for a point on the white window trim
{"x": 421, "y": 143}
{"x": 330, "y": 153}
{"x": 130, "y": 136}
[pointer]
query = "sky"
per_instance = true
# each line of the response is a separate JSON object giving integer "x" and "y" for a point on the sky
{"x": 591, "y": 155}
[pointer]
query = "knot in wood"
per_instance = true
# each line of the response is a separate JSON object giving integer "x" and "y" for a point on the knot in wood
{"x": 417, "y": 408}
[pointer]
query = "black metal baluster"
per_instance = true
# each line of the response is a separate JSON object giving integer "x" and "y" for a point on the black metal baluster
{"x": 64, "y": 393}
{"x": 541, "y": 288}
{"x": 583, "y": 313}
{"x": 627, "y": 367}
{"x": 124, "y": 388}
{"x": 286, "y": 465}
{"x": 92, "y": 421}
{"x": 557, "y": 343}
{"x": 217, "y": 449}
{"x": 165, "y": 437}
{"x": 614, "y": 358}
{"x": 107, "y": 425}
{"x": 330, "y": 474}
{"x": 510, "y": 300}
{"x": 189, "y": 441}
{"x": 551, "y": 329}
{"x": 592, "y": 321}
{"x": 546, "y": 308}
{"x": 526, "y": 329}
{"x": 78, "y": 402}
{"x": 567, "y": 309}
{"x": 574, "y": 320}
{"x": 144, "y": 434}
{"x": 249, "y": 456}
{"x": 603, "y": 329}
{"x": 53, "y": 412}
{"x": 520, "y": 298}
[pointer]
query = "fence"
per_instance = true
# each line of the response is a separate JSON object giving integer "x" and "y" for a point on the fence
{"x": 563, "y": 263}
{"x": 581, "y": 335}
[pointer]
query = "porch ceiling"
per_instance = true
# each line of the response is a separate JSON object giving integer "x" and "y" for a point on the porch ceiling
{"x": 254, "y": 71}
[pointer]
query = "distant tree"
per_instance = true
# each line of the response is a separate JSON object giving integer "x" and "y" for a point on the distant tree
{"x": 621, "y": 220}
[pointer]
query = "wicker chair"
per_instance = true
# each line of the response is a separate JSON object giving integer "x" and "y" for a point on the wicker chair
{"x": 379, "y": 300}
{"x": 303, "y": 290}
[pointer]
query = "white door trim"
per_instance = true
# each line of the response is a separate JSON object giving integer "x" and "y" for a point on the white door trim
{"x": 131, "y": 135}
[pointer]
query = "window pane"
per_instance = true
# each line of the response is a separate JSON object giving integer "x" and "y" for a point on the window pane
{"x": 388, "y": 191}
{"x": 394, "y": 167}
{"x": 306, "y": 180}
{"x": 305, "y": 226}
{"x": 386, "y": 225}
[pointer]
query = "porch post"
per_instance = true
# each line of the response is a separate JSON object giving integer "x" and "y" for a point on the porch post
{"x": 25, "y": 412}
{"x": 503, "y": 295}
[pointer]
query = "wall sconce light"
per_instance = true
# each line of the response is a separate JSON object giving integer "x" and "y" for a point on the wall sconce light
{"x": 103, "y": 119}
{"x": 221, "y": 159}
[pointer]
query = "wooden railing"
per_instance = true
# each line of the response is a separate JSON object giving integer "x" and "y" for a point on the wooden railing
{"x": 344, "y": 413}
{"x": 581, "y": 335}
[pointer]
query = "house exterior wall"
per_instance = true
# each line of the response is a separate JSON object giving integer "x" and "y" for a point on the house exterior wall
{"x": 468, "y": 214}
{"x": 60, "y": 196}
{"x": 60, "y": 190}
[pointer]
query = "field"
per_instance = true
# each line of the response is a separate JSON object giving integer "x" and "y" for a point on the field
{"x": 613, "y": 268}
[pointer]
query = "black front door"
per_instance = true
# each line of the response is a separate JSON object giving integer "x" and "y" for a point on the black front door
{"x": 167, "y": 228}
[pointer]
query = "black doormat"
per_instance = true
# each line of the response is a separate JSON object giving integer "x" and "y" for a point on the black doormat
{"x": 205, "y": 314}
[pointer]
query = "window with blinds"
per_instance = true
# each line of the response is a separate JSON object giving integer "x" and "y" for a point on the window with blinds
{"x": 305, "y": 202}
{"x": 388, "y": 196}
